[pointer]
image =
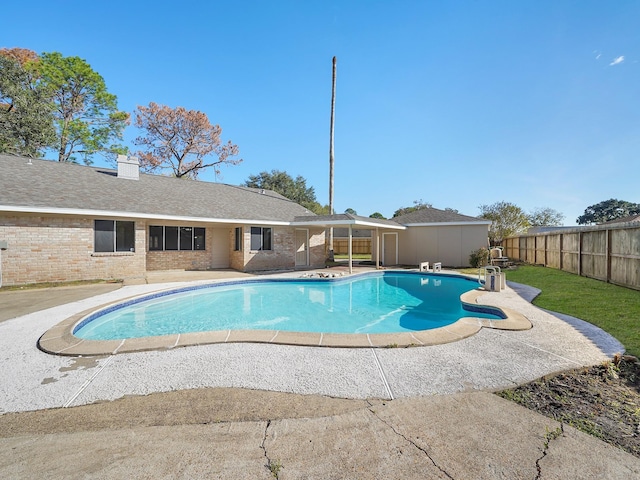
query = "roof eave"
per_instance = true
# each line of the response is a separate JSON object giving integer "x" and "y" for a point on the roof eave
{"x": 436, "y": 224}
{"x": 345, "y": 223}
{"x": 120, "y": 214}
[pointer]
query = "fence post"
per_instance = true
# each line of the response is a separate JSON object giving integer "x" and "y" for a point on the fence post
{"x": 608, "y": 253}
{"x": 580, "y": 254}
{"x": 561, "y": 254}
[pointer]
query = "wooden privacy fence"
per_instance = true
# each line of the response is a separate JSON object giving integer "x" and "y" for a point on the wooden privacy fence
{"x": 610, "y": 253}
{"x": 358, "y": 245}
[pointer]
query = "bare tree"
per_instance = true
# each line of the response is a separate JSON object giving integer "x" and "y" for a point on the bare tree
{"x": 181, "y": 140}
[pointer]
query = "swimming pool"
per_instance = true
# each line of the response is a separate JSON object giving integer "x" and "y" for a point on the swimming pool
{"x": 381, "y": 302}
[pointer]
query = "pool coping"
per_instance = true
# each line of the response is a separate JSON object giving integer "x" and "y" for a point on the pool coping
{"x": 59, "y": 339}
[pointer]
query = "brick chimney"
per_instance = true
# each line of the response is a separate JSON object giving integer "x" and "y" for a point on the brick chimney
{"x": 128, "y": 167}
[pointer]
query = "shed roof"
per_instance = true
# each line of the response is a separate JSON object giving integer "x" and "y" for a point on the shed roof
{"x": 430, "y": 215}
{"x": 348, "y": 219}
{"x": 44, "y": 186}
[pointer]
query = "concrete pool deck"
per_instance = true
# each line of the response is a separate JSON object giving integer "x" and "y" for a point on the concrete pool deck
{"x": 442, "y": 422}
{"x": 60, "y": 339}
{"x": 487, "y": 360}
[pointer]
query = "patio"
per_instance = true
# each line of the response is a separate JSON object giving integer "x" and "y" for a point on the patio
{"x": 489, "y": 360}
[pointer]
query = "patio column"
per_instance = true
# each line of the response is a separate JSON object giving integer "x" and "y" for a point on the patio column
{"x": 377, "y": 249}
{"x": 350, "y": 249}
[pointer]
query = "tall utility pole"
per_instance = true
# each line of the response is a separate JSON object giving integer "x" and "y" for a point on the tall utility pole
{"x": 333, "y": 111}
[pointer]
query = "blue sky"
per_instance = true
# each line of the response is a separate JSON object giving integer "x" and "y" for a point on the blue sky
{"x": 454, "y": 103}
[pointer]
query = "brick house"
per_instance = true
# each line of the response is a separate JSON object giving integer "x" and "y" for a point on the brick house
{"x": 65, "y": 222}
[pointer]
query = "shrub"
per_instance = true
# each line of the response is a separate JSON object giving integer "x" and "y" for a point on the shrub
{"x": 479, "y": 257}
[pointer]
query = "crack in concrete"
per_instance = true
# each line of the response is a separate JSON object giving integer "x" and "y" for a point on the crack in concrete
{"x": 401, "y": 435}
{"x": 383, "y": 377}
{"x": 273, "y": 467}
{"x": 548, "y": 438}
{"x": 86, "y": 384}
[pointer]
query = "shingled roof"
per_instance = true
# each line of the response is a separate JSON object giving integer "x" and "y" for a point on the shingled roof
{"x": 44, "y": 186}
{"x": 348, "y": 219}
{"x": 433, "y": 215}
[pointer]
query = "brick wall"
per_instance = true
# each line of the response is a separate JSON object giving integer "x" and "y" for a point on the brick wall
{"x": 56, "y": 249}
{"x": 279, "y": 257}
{"x": 236, "y": 258}
{"x": 282, "y": 255}
{"x": 179, "y": 260}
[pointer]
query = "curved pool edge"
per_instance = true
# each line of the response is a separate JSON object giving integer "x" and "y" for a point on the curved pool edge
{"x": 59, "y": 339}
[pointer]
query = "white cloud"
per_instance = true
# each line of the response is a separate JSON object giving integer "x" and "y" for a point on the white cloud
{"x": 617, "y": 61}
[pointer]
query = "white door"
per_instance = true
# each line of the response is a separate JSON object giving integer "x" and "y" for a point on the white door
{"x": 302, "y": 250}
{"x": 389, "y": 249}
{"x": 220, "y": 248}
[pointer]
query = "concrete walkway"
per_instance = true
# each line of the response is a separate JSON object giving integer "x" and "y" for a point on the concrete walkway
{"x": 419, "y": 412}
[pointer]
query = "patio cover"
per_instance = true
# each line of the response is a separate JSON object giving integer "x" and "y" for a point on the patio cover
{"x": 349, "y": 220}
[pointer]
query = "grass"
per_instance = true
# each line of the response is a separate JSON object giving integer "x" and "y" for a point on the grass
{"x": 614, "y": 309}
{"x": 71, "y": 283}
{"x": 274, "y": 468}
{"x": 355, "y": 256}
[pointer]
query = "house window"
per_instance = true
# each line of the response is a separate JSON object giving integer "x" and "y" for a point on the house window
{"x": 198, "y": 239}
{"x": 176, "y": 238}
{"x": 237, "y": 240}
{"x": 114, "y": 236}
{"x": 260, "y": 238}
{"x": 156, "y": 238}
{"x": 186, "y": 238}
{"x": 171, "y": 238}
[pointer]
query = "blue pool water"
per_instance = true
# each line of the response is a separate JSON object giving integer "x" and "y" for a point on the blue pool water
{"x": 373, "y": 303}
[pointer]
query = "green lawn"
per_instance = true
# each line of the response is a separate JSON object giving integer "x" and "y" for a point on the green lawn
{"x": 614, "y": 309}
{"x": 355, "y": 256}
